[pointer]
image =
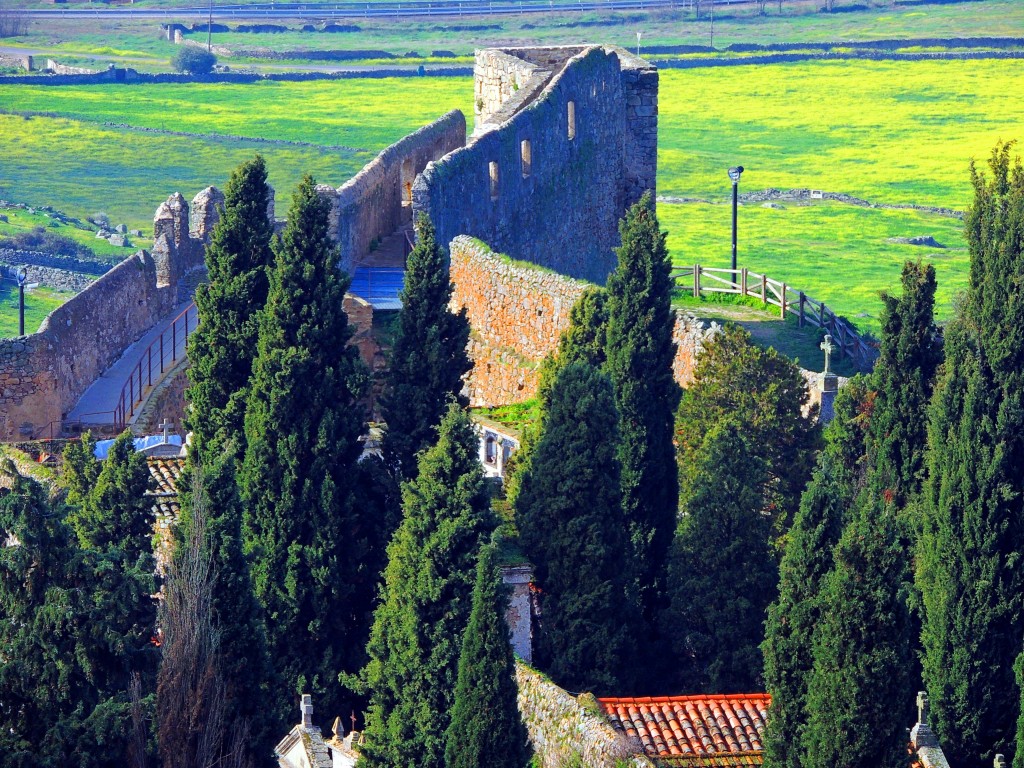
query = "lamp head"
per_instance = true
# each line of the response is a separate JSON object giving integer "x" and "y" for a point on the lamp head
{"x": 22, "y": 275}
{"x": 734, "y": 173}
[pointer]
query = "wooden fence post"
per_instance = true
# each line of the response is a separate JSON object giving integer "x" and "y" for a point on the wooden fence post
{"x": 696, "y": 281}
{"x": 803, "y": 300}
{"x": 821, "y": 314}
{"x": 783, "y": 301}
{"x": 764, "y": 289}
{"x": 743, "y": 282}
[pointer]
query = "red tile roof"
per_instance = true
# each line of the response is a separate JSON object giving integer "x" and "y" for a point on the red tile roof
{"x": 720, "y": 731}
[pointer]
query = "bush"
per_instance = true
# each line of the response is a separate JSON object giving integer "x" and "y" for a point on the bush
{"x": 193, "y": 61}
{"x": 38, "y": 239}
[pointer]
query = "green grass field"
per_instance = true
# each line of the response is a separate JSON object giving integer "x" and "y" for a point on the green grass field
{"x": 21, "y": 221}
{"x": 39, "y": 302}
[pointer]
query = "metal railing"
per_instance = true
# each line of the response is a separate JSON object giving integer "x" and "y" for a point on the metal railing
{"x": 789, "y": 300}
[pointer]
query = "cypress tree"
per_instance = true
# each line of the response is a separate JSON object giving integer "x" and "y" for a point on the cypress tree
{"x": 969, "y": 573}
{"x": 859, "y": 694}
{"x": 640, "y": 353}
{"x": 722, "y": 572}
{"x": 222, "y": 348}
{"x": 425, "y": 603}
{"x": 572, "y": 529}
{"x": 903, "y": 377}
{"x": 305, "y": 532}
{"x": 736, "y": 379}
{"x": 486, "y": 727}
{"x": 429, "y": 356}
{"x": 1018, "y": 757}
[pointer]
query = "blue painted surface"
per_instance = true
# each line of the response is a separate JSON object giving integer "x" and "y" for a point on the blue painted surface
{"x": 380, "y": 286}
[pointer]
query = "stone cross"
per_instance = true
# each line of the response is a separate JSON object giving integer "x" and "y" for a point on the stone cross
{"x": 828, "y": 348}
{"x": 922, "y": 707}
{"x": 166, "y": 427}
{"x": 353, "y": 717}
{"x": 307, "y": 710}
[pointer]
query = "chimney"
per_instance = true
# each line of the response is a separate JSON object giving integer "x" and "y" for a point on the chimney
{"x": 307, "y": 710}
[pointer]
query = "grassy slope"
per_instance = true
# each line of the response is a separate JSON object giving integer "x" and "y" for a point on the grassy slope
{"x": 19, "y": 221}
{"x": 39, "y": 302}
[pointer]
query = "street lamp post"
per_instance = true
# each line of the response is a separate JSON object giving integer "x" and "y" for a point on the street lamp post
{"x": 638, "y": 36}
{"x": 734, "y": 174}
{"x": 22, "y": 275}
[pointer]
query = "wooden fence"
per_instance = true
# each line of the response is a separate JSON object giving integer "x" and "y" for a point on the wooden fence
{"x": 745, "y": 282}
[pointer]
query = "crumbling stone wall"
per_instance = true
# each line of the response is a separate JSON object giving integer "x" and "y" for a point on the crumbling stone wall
{"x": 378, "y": 200}
{"x": 549, "y": 173}
{"x": 567, "y": 730}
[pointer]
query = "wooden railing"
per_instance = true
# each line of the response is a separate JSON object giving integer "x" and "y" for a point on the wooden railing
{"x": 745, "y": 282}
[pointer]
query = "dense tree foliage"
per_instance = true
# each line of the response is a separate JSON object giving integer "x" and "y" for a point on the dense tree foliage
{"x": 969, "y": 571}
{"x": 222, "y": 348}
{"x": 303, "y": 526}
{"x": 425, "y": 606}
{"x": 722, "y": 571}
{"x": 429, "y": 356}
{"x": 788, "y": 650}
{"x": 572, "y": 529}
{"x": 859, "y": 693}
{"x": 486, "y": 728}
{"x": 640, "y": 352}
{"x": 735, "y": 379}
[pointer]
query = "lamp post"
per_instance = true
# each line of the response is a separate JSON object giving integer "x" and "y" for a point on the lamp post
{"x": 22, "y": 275}
{"x": 734, "y": 174}
{"x": 638, "y": 36}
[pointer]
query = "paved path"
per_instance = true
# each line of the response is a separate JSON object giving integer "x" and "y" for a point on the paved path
{"x": 100, "y": 401}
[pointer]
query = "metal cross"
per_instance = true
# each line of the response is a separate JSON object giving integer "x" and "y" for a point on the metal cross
{"x": 828, "y": 348}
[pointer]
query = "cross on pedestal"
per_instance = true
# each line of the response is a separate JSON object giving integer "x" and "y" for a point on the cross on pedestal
{"x": 166, "y": 427}
{"x": 828, "y": 348}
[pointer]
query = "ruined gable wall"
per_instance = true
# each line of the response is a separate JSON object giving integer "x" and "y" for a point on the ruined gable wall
{"x": 369, "y": 205}
{"x": 564, "y": 213}
{"x": 640, "y": 86}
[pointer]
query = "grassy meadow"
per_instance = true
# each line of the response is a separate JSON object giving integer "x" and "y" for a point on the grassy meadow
{"x": 39, "y": 302}
{"x": 19, "y": 221}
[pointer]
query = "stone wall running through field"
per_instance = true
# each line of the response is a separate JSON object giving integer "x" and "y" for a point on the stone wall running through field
{"x": 567, "y": 730}
{"x": 549, "y": 184}
{"x": 378, "y": 200}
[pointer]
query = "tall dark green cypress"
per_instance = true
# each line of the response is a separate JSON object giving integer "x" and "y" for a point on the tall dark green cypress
{"x": 486, "y": 727}
{"x": 425, "y": 605}
{"x": 303, "y": 528}
{"x": 573, "y": 531}
{"x": 222, "y": 348}
{"x": 722, "y": 571}
{"x": 640, "y": 353}
{"x": 910, "y": 354}
{"x": 968, "y": 561}
{"x": 429, "y": 356}
{"x": 859, "y": 696}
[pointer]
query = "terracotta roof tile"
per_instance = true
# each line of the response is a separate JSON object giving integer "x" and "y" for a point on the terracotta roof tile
{"x": 166, "y": 473}
{"x": 714, "y": 731}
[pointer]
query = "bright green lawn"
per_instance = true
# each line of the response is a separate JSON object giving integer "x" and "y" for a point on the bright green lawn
{"x": 81, "y": 166}
{"x": 892, "y": 132}
{"x": 835, "y": 253}
{"x": 39, "y": 302}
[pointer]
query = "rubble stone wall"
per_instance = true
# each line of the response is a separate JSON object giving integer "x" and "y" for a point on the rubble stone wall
{"x": 369, "y": 206}
{"x": 550, "y": 184}
{"x": 567, "y": 730}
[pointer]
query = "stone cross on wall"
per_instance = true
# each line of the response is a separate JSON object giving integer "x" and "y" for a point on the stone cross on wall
{"x": 307, "y": 710}
{"x": 922, "y": 707}
{"x": 166, "y": 427}
{"x": 828, "y": 348}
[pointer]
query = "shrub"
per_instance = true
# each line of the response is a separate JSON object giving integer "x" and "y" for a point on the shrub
{"x": 39, "y": 239}
{"x": 193, "y": 61}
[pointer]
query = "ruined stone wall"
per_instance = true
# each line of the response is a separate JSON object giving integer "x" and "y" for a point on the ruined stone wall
{"x": 640, "y": 85}
{"x": 550, "y": 184}
{"x": 567, "y": 730}
{"x": 517, "y": 313}
{"x": 499, "y": 78}
{"x": 369, "y": 206}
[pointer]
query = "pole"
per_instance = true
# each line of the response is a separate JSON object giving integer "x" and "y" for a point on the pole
{"x": 21, "y": 307}
{"x": 735, "y": 186}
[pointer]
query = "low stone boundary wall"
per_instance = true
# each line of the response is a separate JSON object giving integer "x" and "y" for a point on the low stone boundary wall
{"x": 17, "y": 258}
{"x": 568, "y": 731}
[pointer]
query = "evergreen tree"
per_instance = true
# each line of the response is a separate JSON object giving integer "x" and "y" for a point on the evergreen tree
{"x": 859, "y": 694}
{"x": 722, "y": 572}
{"x": 573, "y": 531}
{"x": 1018, "y": 757}
{"x": 303, "y": 527}
{"x": 792, "y": 618}
{"x": 80, "y": 469}
{"x": 903, "y": 377}
{"x": 640, "y": 353}
{"x": 238, "y": 655}
{"x": 425, "y": 604}
{"x": 968, "y": 561}
{"x": 222, "y": 348}
{"x": 734, "y": 379}
{"x": 429, "y": 356}
{"x": 486, "y": 727}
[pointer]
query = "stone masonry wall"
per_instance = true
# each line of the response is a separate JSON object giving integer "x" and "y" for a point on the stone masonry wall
{"x": 517, "y": 313}
{"x": 369, "y": 206}
{"x": 498, "y": 78}
{"x": 567, "y": 730}
{"x": 550, "y": 184}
